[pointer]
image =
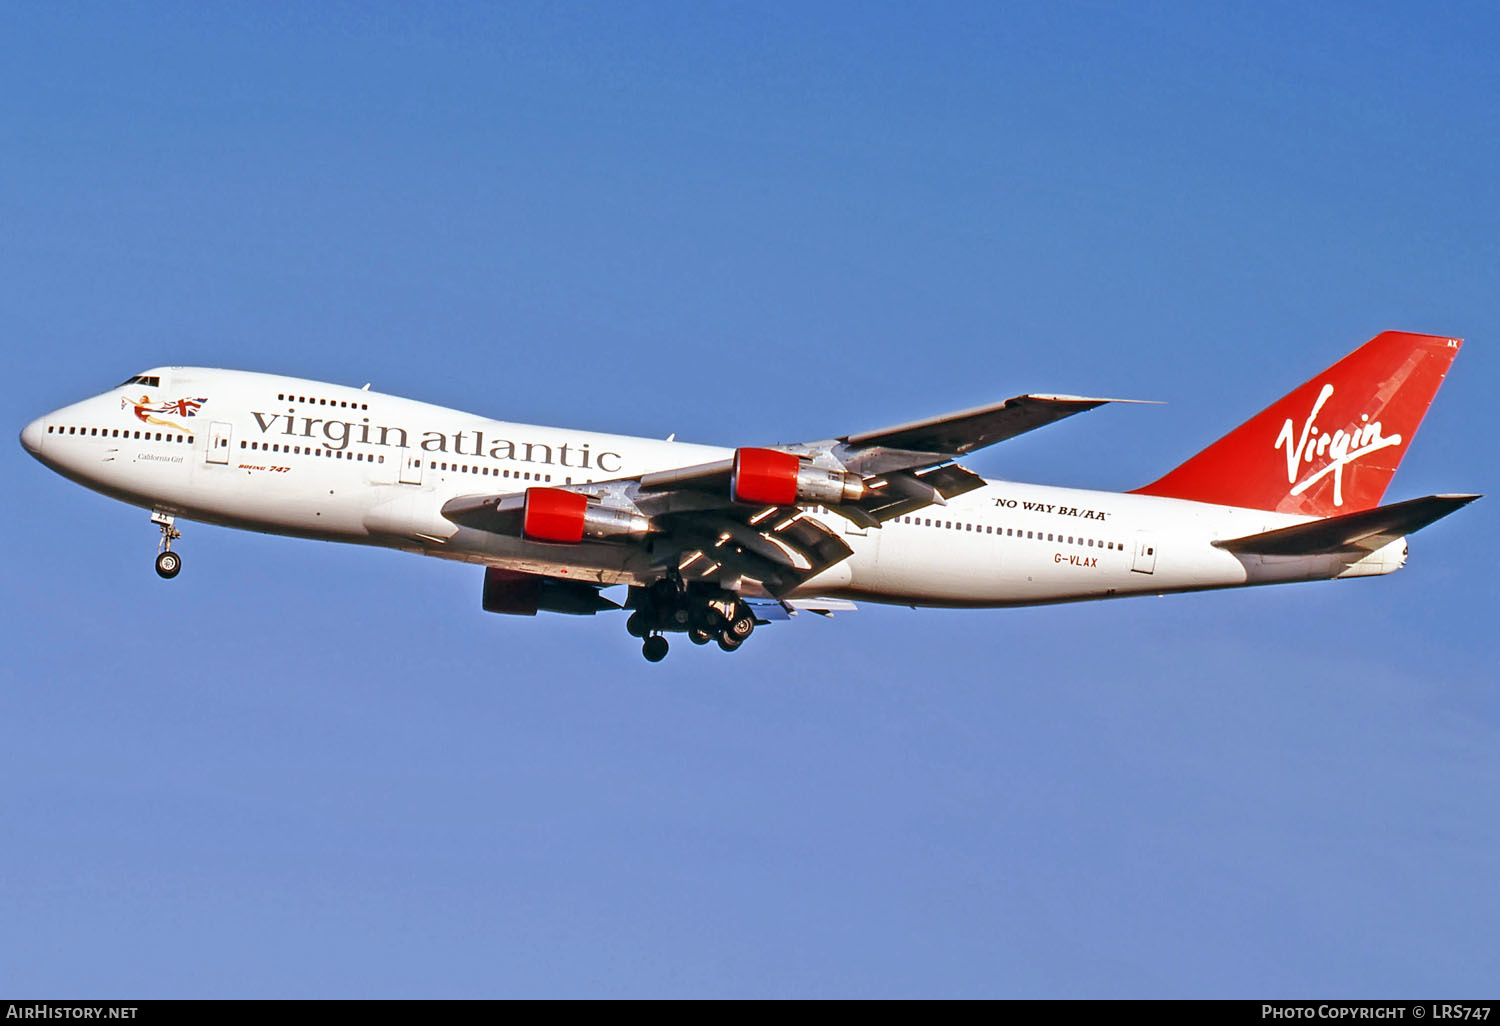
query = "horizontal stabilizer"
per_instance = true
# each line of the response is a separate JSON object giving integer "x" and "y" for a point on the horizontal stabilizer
{"x": 1364, "y": 531}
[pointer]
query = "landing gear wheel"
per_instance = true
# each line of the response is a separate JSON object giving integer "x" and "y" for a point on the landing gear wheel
{"x": 168, "y": 563}
{"x": 741, "y": 626}
{"x": 635, "y": 625}
{"x": 654, "y": 648}
{"x": 728, "y": 642}
{"x": 698, "y": 636}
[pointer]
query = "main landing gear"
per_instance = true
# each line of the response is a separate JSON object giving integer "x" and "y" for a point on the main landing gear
{"x": 168, "y": 563}
{"x": 703, "y": 613}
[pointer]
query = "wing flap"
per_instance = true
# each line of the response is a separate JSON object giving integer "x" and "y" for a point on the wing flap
{"x": 767, "y": 610}
{"x": 896, "y": 494}
{"x": 1364, "y": 531}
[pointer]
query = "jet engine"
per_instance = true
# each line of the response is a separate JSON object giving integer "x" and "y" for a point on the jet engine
{"x": 558, "y": 515}
{"x": 522, "y": 594}
{"x": 766, "y": 477}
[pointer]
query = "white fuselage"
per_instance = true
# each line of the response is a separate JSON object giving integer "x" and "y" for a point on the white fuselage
{"x": 290, "y": 456}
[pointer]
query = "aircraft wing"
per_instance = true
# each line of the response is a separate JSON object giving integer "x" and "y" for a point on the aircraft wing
{"x": 963, "y": 431}
{"x": 762, "y": 513}
{"x": 777, "y": 546}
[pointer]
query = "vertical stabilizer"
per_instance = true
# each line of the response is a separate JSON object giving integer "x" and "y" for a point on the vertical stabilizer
{"x": 1332, "y": 445}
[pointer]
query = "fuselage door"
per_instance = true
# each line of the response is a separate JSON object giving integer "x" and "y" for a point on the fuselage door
{"x": 219, "y": 434}
{"x": 411, "y": 468}
{"x": 1145, "y": 554}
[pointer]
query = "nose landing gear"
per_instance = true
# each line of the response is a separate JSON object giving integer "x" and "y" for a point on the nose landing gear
{"x": 168, "y": 563}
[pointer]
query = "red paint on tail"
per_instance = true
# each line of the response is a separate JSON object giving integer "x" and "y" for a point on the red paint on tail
{"x": 1332, "y": 445}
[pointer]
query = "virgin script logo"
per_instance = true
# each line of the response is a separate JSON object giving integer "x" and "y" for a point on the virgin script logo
{"x": 1341, "y": 448}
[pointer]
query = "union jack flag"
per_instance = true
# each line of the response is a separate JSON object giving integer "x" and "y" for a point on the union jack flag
{"x": 183, "y": 407}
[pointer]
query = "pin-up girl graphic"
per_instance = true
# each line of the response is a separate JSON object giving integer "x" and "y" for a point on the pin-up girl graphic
{"x": 144, "y": 409}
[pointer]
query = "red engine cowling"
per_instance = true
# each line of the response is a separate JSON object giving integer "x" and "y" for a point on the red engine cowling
{"x": 553, "y": 515}
{"x": 511, "y": 591}
{"x": 558, "y": 515}
{"x": 766, "y": 477}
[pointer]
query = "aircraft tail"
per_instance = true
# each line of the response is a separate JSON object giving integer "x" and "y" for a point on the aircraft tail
{"x": 1358, "y": 533}
{"x": 1332, "y": 445}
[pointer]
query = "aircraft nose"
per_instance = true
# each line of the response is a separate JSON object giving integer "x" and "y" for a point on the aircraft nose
{"x": 31, "y": 436}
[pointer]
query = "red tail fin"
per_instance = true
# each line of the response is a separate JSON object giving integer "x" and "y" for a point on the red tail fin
{"x": 1332, "y": 445}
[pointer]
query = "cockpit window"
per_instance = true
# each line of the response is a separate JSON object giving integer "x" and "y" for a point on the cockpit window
{"x": 149, "y": 380}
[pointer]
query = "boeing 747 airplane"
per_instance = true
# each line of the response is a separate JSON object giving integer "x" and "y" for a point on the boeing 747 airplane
{"x": 713, "y": 542}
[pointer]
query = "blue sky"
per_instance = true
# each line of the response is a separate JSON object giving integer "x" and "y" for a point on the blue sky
{"x": 313, "y": 770}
